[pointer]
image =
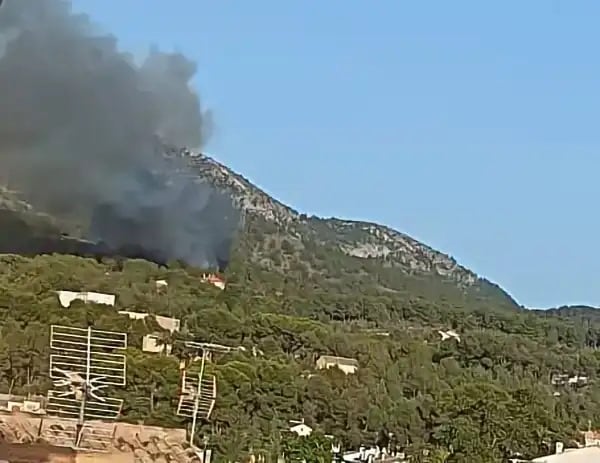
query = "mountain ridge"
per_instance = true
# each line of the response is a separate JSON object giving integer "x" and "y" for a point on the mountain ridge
{"x": 355, "y": 238}
{"x": 361, "y": 241}
{"x": 252, "y": 199}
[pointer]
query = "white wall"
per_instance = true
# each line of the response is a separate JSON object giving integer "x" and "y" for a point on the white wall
{"x": 67, "y": 297}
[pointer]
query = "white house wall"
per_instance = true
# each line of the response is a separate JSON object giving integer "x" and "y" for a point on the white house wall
{"x": 67, "y": 297}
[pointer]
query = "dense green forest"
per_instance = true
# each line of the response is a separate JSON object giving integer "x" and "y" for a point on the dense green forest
{"x": 483, "y": 399}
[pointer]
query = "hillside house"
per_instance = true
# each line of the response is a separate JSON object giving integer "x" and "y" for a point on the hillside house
{"x": 559, "y": 379}
{"x": 582, "y": 455}
{"x": 12, "y": 403}
{"x": 376, "y": 332}
{"x": 450, "y": 334}
{"x": 214, "y": 280}
{"x": 67, "y": 297}
{"x": 562, "y": 379}
{"x": 577, "y": 380}
{"x": 372, "y": 454}
{"x": 151, "y": 343}
{"x": 591, "y": 438}
{"x": 301, "y": 430}
{"x": 161, "y": 285}
{"x": 166, "y": 323}
{"x": 347, "y": 365}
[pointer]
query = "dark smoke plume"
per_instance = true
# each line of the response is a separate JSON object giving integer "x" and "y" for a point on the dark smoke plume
{"x": 82, "y": 130}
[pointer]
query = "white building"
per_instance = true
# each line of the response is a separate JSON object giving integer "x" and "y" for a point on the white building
{"x": 347, "y": 365}
{"x": 67, "y": 297}
{"x": 301, "y": 430}
{"x": 576, "y": 380}
{"x": 562, "y": 379}
{"x": 161, "y": 285}
{"x": 151, "y": 343}
{"x": 582, "y": 455}
{"x": 12, "y": 403}
{"x": 450, "y": 334}
{"x": 214, "y": 280}
{"x": 592, "y": 438}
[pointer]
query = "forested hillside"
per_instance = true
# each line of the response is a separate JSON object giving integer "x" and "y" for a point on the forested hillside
{"x": 481, "y": 399}
{"x": 106, "y": 164}
{"x": 299, "y": 287}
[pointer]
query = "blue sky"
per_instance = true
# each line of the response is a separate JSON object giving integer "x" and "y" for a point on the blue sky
{"x": 472, "y": 126}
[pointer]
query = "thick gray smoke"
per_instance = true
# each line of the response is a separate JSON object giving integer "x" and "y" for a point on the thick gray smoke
{"x": 82, "y": 129}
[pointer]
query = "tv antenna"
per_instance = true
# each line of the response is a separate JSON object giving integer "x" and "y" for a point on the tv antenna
{"x": 83, "y": 363}
{"x": 198, "y": 395}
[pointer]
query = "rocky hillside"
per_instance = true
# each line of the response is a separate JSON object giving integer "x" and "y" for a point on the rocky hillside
{"x": 284, "y": 239}
{"x": 357, "y": 239}
{"x": 362, "y": 241}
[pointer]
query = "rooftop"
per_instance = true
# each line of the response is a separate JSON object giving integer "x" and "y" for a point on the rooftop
{"x": 584, "y": 455}
{"x": 338, "y": 360}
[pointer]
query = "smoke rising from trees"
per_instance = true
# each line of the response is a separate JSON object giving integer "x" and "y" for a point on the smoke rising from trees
{"x": 82, "y": 129}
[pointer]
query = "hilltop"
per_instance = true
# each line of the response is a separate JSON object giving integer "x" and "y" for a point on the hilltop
{"x": 386, "y": 260}
{"x": 362, "y": 240}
